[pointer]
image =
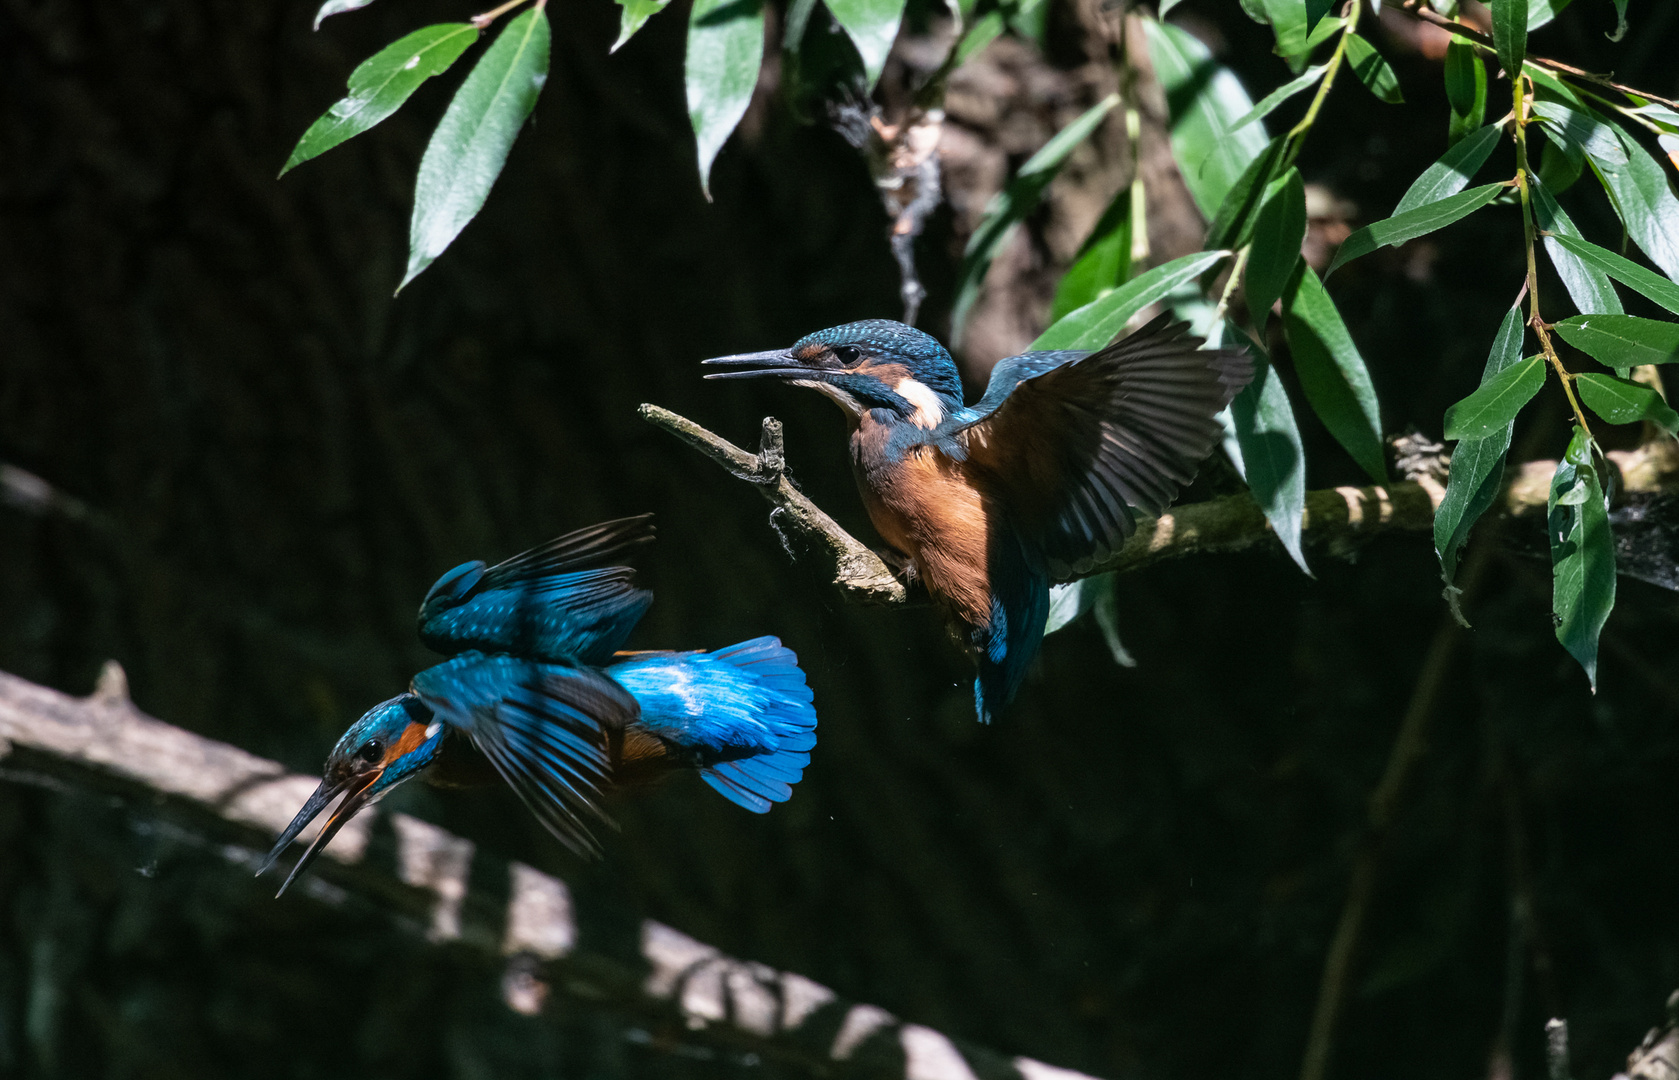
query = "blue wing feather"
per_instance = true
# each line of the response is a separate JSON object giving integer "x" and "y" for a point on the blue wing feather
{"x": 543, "y": 727}
{"x": 742, "y": 715}
{"x": 551, "y": 603}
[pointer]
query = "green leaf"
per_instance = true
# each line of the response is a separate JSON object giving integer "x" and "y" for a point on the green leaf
{"x": 1268, "y": 104}
{"x": 1584, "y": 131}
{"x": 872, "y": 26}
{"x": 1014, "y": 202}
{"x": 1582, "y": 554}
{"x": 1099, "y": 322}
{"x": 983, "y": 32}
{"x": 725, "y": 50}
{"x": 1373, "y": 71}
{"x": 1414, "y": 223}
{"x": 1466, "y": 88}
{"x": 1494, "y": 404}
{"x": 1477, "y": 471}
{"x": 1452, "y": 173}
{"x": 467, "y": 151}
{"x": 1587, "y": 286}
{"x": 634, "y": 15}
{"x": 381, "y": 83}
{"x": 1233, "y": 224}
{"x": 1315, "y": 11}
{"x": 1204, "y": 101}
{"x": 1068, "y": 602}
{"x": 1543, "y": 12}
{"x": 1104, "y": 262}
{"x": 339, "y": 7}
{"x": 1509, "y": 33}
{"x": 1278, "y": 232}
{"x": 1622, "y": 401}
{"x": 1622, "y": 341}
{"x": 1267, "y": 450}
{"x": 1620, "y": 21}
{"x": 1560, "y": 165}
{"x": 1623, "y": 270}
{"x": 1332, "y": 373}
{"x": 1645, "y": 202}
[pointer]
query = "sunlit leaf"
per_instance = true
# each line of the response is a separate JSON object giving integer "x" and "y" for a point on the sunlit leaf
{"x": 1623, "y": 270}
{"x": 1373, "y": 71}
{"x": 1414, "y": 223}
{"x": 1332, "y": 371}
{"x": 1452, "y": 173}
{"x": 1584, "y": 131}
{"x": 1582, "y": 554}
{"x": 872, "y": 26}
{"x": 725, "y": 50}
{"x": 1587, "y": 286}
{"x": 1622, "y": 401}
{"x": 1466, "y": 88}
{"x": 467, "y": 151}
{"x": 1267, "y": 450}
{"x": 381, "y": 83}
{"x": 1544, "y": 12}
{"x": 635, "y": 13}
{"x": 339, "y": 7}
{"x": 1019, "y": 198}
{"x": 1494, "y": 404}
{"x": 1268, "y": 104}
{"x": 1622, "y": 341}
{"x": 1477, "y": 470}
{"x": 1278, "y": 232}
{"x": 987, "y": 29}
{"x": 1104, "y": 262}
{"x": 1205, "y": 101}
{"x": 1099, "y": 322}
{"x": 1068, "y": 602}
{"x": 1509, "y": 32}
{"x": 1560, "y": 165}
{"x": 1645, "y": 202}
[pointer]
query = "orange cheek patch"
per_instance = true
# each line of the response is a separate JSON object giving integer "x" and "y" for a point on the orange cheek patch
{"x": 413, "y": 737}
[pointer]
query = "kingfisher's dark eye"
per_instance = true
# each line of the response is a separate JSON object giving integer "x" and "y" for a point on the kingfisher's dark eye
{"x": 372, "y": 751}
{"x": 846, "y": 354}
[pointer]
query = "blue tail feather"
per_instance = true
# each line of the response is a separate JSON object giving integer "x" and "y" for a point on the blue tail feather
{"x": 742, "y": 715}
{"x": 1005, "y": 647}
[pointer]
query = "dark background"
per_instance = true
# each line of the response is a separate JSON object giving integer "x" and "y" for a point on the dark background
{"x": 1135, "y": 872}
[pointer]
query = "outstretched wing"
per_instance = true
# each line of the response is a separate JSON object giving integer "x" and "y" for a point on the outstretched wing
{"x": 554, "y": 602}
{"x": 543, "y": 727}
{"x": 1078, "y": 442}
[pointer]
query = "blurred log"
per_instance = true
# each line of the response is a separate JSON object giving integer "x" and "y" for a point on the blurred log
{"x": 103, "y": 742}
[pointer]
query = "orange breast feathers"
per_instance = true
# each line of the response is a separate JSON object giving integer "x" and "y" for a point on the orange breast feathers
{"x": 929, "y": 508}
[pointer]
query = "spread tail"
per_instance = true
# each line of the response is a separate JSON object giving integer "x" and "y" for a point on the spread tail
{"x": 742, "y": 715}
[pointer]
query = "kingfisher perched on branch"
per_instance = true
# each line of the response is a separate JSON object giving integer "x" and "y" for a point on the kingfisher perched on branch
{"x": 535, "y": 687}
{"x": 1038, "y": 482}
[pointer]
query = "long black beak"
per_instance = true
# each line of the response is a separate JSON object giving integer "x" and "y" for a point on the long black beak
{"x": 771, "y": 364}
{"x": 357, "y": 788}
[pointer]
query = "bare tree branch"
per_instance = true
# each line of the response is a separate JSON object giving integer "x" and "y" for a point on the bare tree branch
{"x": 1337, "y": 519}
{"x": 104, "y": 743}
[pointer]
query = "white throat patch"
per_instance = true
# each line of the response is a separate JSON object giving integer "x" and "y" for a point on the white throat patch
{"x": 928, "y": 412}
{"x": 853, "y": 408}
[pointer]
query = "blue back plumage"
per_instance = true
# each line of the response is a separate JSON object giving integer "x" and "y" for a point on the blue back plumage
{"x": 742, "y": 715}
{"x": 553, "y": 603}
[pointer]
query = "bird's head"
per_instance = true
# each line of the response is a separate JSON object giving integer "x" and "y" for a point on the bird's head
{"x": 391, "y": 743}
{"x": 874, "y": 364}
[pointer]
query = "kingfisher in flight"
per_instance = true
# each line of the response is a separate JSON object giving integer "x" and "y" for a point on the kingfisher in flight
{"x": 1038, "y": 482}
{"x": 536, "y": 691}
